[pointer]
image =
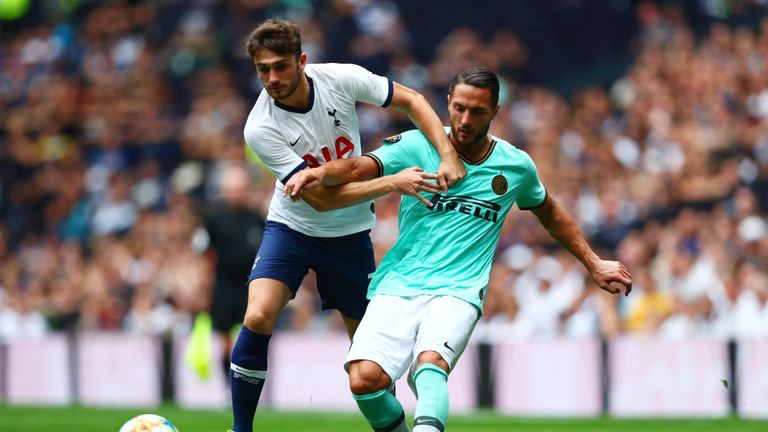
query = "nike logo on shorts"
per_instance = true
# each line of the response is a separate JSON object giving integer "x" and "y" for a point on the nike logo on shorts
{"x": 445, "y": 344}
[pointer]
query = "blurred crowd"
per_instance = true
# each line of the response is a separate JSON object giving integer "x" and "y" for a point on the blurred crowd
{"x": 119, "y": 119}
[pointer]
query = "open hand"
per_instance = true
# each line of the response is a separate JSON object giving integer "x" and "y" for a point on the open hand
{"x": 413, "y": 180}
{"x": 609, "y": 274}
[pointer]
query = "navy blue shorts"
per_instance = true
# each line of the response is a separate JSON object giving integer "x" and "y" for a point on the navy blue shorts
{"x": 342, "y": 265}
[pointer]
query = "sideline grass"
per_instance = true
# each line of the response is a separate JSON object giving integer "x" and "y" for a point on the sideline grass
{"x": 80, "y": 419}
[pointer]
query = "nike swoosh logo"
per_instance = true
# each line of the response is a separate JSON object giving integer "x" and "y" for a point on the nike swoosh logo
{"x": 445, "y": 344}
{"x": 297, "y": 140}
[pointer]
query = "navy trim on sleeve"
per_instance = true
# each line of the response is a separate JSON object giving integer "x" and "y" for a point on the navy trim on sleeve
{"x": 389, "y": 94}
{"x": 301, "y": 166}
{"x": 544, "y": 201}
{"x": 379, "y": 165}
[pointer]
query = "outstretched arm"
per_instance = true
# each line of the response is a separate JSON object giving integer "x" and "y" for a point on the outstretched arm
{"x": 422, "y": 115}
{"x": 564, "y": 229}
{"x": 337, "y": 184}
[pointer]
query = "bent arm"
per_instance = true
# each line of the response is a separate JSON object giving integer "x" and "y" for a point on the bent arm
{"x": 563, "y": 228}
{"x": 342, "y": 171}
{"x": 333, "y": 186}
{"x": 325, "y": 198}
{"x": 424, "y": 117}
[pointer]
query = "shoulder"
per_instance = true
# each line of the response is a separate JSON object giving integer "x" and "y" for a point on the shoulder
{"x": 331, "y": 70}
{"x": 337, "y": 74}
{"x": 413, "y": 136}
{"x": 262, "y": 109}
{"x": 512, "y": 153}
{"x": 259, "y": 128}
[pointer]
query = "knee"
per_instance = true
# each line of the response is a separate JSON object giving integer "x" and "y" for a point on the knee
{"x": 433, "y": 358}
{"x": 366, "y": 377}
{"x": 259, "y": 320}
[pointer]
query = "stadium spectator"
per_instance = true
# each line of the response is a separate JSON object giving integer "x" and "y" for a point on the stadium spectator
{"x": 151, "y": 94}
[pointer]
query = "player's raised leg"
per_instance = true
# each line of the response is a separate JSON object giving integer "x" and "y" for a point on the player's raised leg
{"x": 369, "y": 385}
{"x": 381, "y": 351}
{"x": 266, "y": 299}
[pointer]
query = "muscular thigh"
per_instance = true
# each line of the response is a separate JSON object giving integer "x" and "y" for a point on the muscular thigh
{"x": 344, "y": 266}
{"x": 446, "y": 327}
{"x": 282, "y": 257}
{"x": 387, "y": 334}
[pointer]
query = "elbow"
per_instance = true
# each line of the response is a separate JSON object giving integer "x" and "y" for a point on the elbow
{"x": 419, "y": 100}
{"x": 322, "y": 206}
{"x": 318, "y": 205}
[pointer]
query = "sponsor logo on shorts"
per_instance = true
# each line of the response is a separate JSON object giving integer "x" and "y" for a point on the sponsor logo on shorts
{"x": 445, "y": 344}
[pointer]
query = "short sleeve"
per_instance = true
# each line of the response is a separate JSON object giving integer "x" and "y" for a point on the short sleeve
{"x": 532, "y": 194}
{"x": 361, "y": 84}
{"x": 400, "y": 152}
{"x": 279, "y": 159}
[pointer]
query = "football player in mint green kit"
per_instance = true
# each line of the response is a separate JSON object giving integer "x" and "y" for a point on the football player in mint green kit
{"x": 427, "y": 293}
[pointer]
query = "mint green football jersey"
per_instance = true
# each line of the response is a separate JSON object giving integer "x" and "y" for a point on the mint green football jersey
{"x": 448, "y": 250}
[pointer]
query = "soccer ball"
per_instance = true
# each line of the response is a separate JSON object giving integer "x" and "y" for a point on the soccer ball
{"x": 148, "y": 423}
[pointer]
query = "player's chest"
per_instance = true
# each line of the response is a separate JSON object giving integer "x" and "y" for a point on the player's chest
{"x": 328, "y": 131}
{"x": 489, "y": 182}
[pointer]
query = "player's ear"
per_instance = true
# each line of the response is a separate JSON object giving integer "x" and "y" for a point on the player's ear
{"x": 496, "y": 110}
{"x": 303, "y": 59}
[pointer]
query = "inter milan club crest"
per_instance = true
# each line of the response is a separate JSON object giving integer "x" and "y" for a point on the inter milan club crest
{"x": 391, "y": 140}
{"x": 499, "y": 185}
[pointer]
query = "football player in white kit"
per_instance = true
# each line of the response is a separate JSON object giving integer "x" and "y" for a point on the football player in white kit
{"x": 304, "y": 117}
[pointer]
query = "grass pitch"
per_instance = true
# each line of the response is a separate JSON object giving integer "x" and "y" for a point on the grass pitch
{"x": 80, "y": 419}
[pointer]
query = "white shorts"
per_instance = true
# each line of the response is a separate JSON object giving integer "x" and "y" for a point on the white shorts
{"x": 395, "y": 330}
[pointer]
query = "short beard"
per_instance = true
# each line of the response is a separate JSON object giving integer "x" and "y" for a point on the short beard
{"x": 291, "y": 90}
{"x": 466, "y": 144}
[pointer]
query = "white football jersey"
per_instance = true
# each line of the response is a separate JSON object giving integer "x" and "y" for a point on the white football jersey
{"x": 287, "y": 139}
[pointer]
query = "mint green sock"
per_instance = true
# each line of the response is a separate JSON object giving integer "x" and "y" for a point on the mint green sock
{"x": 381, "y": 409}
{"x": 432, "y": 388}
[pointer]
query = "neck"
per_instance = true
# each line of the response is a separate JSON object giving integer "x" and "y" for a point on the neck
{"x": 473, "y": 151}
{"x": 300, "y": 97}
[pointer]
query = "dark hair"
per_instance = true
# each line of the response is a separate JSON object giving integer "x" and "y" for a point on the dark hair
{"x": 481, "y": 77}
{"x": 278, "y": 36}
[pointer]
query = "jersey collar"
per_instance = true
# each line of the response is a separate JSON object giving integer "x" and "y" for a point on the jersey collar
{"x": 485, "y": 156}
{"x": 309, "y": 105}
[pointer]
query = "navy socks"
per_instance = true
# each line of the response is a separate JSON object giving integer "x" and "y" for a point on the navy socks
{"x": 247, "y": 374}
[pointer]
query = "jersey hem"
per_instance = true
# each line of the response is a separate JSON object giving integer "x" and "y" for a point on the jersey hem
{"x": 432, "y": 294}
{"x": 326, "y": 233}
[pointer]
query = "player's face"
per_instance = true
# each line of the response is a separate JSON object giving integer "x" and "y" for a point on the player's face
{"x": 280, "y": 74}
{"x": 471, "y": 114}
